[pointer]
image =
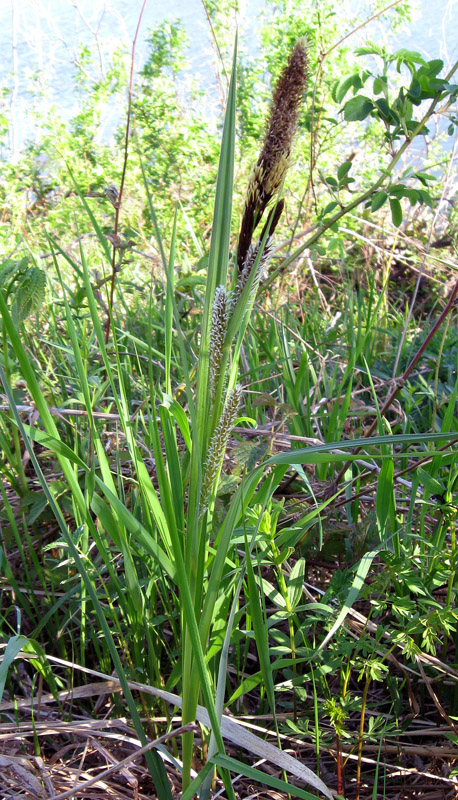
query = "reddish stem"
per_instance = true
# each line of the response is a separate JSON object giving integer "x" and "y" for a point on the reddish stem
{"x": 339, "y": 766}
{"x": 124, "y": 169}
{"x": 401, "y": 382}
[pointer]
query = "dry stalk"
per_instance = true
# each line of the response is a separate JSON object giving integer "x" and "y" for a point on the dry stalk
{"x": 116, "y": 198}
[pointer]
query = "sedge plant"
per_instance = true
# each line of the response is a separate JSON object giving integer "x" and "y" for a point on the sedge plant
{"x": 172, "y": 524}
{"x": 225, "y": 318}
{"x": 175, "y": 555}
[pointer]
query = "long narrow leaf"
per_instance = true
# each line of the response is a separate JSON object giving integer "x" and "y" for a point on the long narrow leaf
{"x": 155, "y": 764}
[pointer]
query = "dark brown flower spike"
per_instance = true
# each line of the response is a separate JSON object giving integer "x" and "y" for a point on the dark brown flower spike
{"x": 272, "y": 220}
{"x": 273, "y": 162}
{"x": 253, "y": 255}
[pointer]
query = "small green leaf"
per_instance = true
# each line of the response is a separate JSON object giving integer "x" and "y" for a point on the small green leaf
{"x": 384, "y": 109}
{"x": 435, "y": 66}
{"x": 424, "y": 177}
{"x": 29, "y": 294}
{"x": 337, "y": 245}
{"x": 343, "y": 170}
{"x": 371, "y": 49}
{"x": 408, "y": 56}
{"x": 398, "y": 190}
{"x": 344, "y": 85}
{"x": 415, "y": 584}
{"x": 378, "y": 200}
{"x": 246, "y": 686}
{"x": 357, "y": 584}
{"x": 12, "y": 649}
{"x": 414, "y": 90}
{"x": 272, "y": 593}
{"x": 379, "y": 84}
{"x": 413, "y": 196}
{"x": 295, "y": 582}
{"x": 358, "y": 108}
{"x": 10, "y": 270}
{"x": 330, "y": 208}
{"x": 425, "y": 197}
{"x": 396, "y": 211}
{"x": 385, "y": 493}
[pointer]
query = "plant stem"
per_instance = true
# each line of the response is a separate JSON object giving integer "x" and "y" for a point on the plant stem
{"x": 15, "y": 433}
{"x": 401, "y": 382}
{"x": 123, "y": 175}
{"x": 361, "y": 734}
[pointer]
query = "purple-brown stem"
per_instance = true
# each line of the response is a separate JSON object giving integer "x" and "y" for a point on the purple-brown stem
{"x": 401, "y": 382}
{"x": 124, "y": 169}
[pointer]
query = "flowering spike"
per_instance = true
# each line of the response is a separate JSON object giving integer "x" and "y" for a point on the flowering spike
{"x": 246, "y": 270}
{"x": 218, "y": 445}
{"x": 253, "y": 250}
{"x": 218, "y": 331}
{"x": 270, "y": 169}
